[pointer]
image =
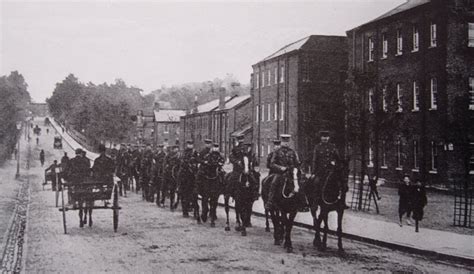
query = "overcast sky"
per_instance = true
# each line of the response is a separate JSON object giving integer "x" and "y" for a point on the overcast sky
{"x": 153, "y": 43}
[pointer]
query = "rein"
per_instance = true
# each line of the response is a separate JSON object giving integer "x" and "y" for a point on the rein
{"x": 324, "y": 188}
{"x": 292, "y": 193}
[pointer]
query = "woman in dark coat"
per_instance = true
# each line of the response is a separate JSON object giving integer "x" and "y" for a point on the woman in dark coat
{"x": 404, "y": 206}
{"x": 419, "y": 201}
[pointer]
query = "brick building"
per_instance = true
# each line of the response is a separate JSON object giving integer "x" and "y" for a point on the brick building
{"x": 299, "y": 90}
{"x": 218, "y": 120}
{"x": 418, "y": 61}
{"x": 167, "y": 125}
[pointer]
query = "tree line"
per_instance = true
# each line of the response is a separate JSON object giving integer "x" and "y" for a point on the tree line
{"x": 14, "y": 101}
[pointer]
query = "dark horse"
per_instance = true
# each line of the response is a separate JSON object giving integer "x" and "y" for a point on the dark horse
{"x": 328, "y": 193}
{"x": 188, "y": 191}
{"x": 286, "y": 202}
{"x": 210, "y": 187}
{"x": 241, "y": 187}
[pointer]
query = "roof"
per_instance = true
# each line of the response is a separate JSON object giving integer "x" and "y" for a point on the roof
{"x": 169, "y": 115}
{"x": 235, "y": 101}
{"x": 288, "y": 48}
{"x": 409, "y": 4}
{"x": 211, "y": 105}
{"x": 242, "y": 131}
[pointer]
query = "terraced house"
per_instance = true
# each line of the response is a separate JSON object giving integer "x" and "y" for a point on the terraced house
{"x": 299, "y": 90}
{"x": 418, "y": 64}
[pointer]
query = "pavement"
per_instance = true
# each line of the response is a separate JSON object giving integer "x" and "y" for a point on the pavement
{"x": 442, "y": 244}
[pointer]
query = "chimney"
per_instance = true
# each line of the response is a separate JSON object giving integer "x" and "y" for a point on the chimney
{"x": 195, "y": 108}
{"x": 221, "y": 98}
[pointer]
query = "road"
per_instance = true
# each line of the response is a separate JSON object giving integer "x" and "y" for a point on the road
{"x": 151, "y": 239}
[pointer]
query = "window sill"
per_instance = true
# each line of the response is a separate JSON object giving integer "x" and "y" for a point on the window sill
{"x": 370, "y": 61}
{"x": 399, "y": 111}
{"x": 384, "y": 167}
{"x": 383, "y": 58}
{"x": 370, "y": 165}
{"x": 433, "y": 172}
{"x": 471, "y": 107}
{"x": 471, "y": 172}
{"x": 415, "y": 50}
{"x": 415, "y": 170}
{"x": 399, "y": 54}
{"x": 399, "y": 168}
{"x": 415, "y": 110}
{"x": 433, "y": 108}
{"x": 432, "y": 46}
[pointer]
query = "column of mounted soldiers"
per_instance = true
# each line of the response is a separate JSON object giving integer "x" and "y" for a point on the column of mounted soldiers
{"x": 166, "y": 172}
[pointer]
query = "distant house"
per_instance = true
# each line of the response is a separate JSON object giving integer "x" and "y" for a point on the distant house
{"x": 167, "y": 125}
{"x": 218, "y": 120}
{"x": 39, "y": 109}
{"x": 144, "y": 127}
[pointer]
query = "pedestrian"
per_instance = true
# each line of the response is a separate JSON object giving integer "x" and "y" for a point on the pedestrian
{"x": 373, "y": 187}
{"x": 404, "y": 204}
{"x": 37, "y": 140}
{"x": 419, "y": 201}
{"x": 42, "y": 157}
{"x": 52, "y": 174}
{"x": 47, "y": 130}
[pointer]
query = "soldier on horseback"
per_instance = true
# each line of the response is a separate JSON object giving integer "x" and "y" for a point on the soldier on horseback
{"x": 187, "y": 181}
{"x": 276, "y": 146}
{"x": 283, "y": 159}
{"x": 171, "y": 165}
{"x": 157, "y": 177}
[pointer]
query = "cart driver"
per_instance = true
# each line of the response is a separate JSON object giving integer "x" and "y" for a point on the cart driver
{"x": 103, "y": 169}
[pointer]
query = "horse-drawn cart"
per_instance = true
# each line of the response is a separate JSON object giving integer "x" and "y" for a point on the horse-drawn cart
{"x": 84, "y": 195}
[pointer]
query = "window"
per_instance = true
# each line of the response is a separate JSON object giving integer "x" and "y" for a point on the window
{"x": 370, "y": 100}
{"x": 371, "y": 155}
{"x": 434, "y": 93}
{"x": 399, "y": 98}
{"x": 416, "y": 96}
{"x": 257, "y": 114}
{"x": 415, "y": 39}
{"x": 370, "y": 45}
{"x": 276, "y": 75}
{"x": 434, "y": 156}
{"x": 384, "y": 153}
{"x": 282, "y": 111}
{"x": 399, "y": 154}
{"x": 415, "y": 155}
{"x": 433, "y": 35}
{"x": 269, "y": 109}
{"x": 399, "y": 42}
{"x": 269, "y": 149}
{"x": 275, "y": 113}
{"x": 471, "y": 35}
{"x": 257, "y": 150}
{"x": 384, "y": 46}
{"x": 258, "y": 79}
{"x": 471, "y": 93}
{"x": 471, "y": 159}
{"x": 384, "y": 99}
{"x": 269, "y": 77}
{"x": 263, "y": 150}
{"x": 263, "y": 112}
{"x": 282, "y": 74}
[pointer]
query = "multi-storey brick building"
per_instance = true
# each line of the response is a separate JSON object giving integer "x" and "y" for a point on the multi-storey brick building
{"x": 418, "y": 61}
{"x": 299, "y": 90}
{"x": 218, "y": 120}
{"x": 167, "y": 125}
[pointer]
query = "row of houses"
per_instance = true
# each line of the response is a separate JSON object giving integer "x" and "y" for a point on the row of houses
{"x": 397, "y": 94}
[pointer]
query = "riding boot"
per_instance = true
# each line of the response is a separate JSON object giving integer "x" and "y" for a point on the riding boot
{"x": 271, "y": 194}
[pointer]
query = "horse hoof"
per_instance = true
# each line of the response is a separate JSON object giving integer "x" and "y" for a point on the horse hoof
{"x": 227, "y": 228}
{"x": 289, "y": 249}
{"x": 322, "y": 248}
{"x": 204, "y": 218}
{"x": 277, "y": 242}
{"x": 90, "y": 223}
{"x": 243, "y": 233}
{"x": 81, "y": 224}
{"x": 238, "y": 228}
{"x": 267, "y": 229}
{"x": 341, "y": 251}
{"x": 213, "y": 225}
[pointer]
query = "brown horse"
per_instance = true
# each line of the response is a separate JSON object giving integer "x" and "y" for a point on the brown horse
{"x": 328, "y": 193}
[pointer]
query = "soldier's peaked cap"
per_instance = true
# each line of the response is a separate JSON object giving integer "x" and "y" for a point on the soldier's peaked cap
{"x": 78, "y": 151}
{"x": 285, "y": 137}
{"x": 216, "y": 145}
{"x": 276, "y": 141}
{"x": 208, "y": 141}
{"x": 190, "y": 142}
{"x": 324, "y": 133}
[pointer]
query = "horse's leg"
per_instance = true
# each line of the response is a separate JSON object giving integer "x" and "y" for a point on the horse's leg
{"x": 289, "y": 227}
{"x": 317, "y": 230}
{"x": 276, "y": 227}
{"x": 238, "y": 210}
{"x": 213, "y": 204}
{"x": 267, "y": 224}
{"x": 196, "y": 208}
{"x": 340, "y": 215}
{"x": 326, "y": 227}
{"x": 226, "y": 207}
{"x": 205, "y": 206}
{"x": 81, "y": 221}
{"x": 90, "y": 213}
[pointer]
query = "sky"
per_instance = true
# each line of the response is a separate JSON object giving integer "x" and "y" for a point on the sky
{"x": 150, "y": 44}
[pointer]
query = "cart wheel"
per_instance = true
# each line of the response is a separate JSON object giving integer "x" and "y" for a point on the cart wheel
{"x": 115, "y": 208}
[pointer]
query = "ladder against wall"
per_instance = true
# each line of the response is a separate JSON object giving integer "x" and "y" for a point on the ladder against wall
{"x": 356, "y": 194}
{"x": 463, "y": 192}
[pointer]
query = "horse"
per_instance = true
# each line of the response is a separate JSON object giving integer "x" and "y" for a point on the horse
{"x": 189, "y": 197}
{"x": 241, "y": 187}
{"x": 287, "y": 200}
{"x": 210, "y": 188}
{"x": 329, "y": 195}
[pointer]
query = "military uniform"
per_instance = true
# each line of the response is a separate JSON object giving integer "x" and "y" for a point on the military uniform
{"x": 146, "y": 165}
{"x": 103, "y": 169}
{"x": 323, "y": 154}
{"x": 171, "y": 165}
{"x": 123, "y": 169}
{"x": 236, "y": 158}
{"x": 187, "y": 182}
{"x": 157, "y": 177}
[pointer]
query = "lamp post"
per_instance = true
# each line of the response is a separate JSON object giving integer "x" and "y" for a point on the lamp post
{"x": 17, "y": 175}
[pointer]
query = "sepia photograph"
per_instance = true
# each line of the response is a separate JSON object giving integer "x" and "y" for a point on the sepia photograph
{"x": 243, "y": 136}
